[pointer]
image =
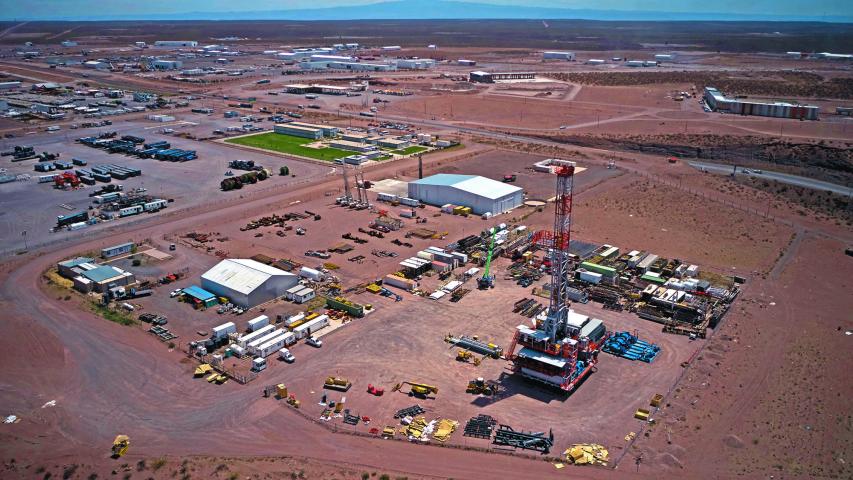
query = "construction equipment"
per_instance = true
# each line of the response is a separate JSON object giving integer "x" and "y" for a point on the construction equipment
{"x": 337, "y": 383}
{"x": 487, "y": 281}
{"x": 506, "y": 436}
{"x": 375, "y": 391}
{"x": 473, "y": 344}
{"x": 409, "y": 412}
{"x": 587, "y": 454}
{"x": 478, "y": 386}
{"x": 480, "y": 426}
{"x": 466, "y": 356}
{"x": 389, "y": 432}
{"x": 420, "y": 389}
{"x": 203, "y": 370}
{"x": 120, "y": 445}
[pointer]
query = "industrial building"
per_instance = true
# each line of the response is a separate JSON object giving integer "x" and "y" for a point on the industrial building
{"x": 159, "y": 64}
{"x": 487, "y": 77}
{"x": 353, "y": 66}
{"x": 479, "y": 193}
{"x": 326, "y": 130}
{"x": 466, "y": 63}
{"x": 569, "y": 56}
{"x": 297, "y": 131}
{"x": 353, "y": 146}
{"x": 176, "y": 43}
{"x": 415, "y": 63}
{"x": 716, "y": 101}
{"x": 247, "y": 283}
{"x": 301, "y": 88}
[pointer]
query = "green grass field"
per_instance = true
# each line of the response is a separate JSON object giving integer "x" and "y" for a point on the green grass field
{"x": 410, "y": 150}
{"x": 278, "y": 142}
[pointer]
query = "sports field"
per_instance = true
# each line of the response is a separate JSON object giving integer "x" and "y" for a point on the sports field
{"x": 278, "y": 142}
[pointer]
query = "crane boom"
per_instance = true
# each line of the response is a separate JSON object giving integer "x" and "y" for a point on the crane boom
{"x": 488, "y": 281}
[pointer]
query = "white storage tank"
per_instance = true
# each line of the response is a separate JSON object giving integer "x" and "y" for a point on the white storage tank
{"x": 311, "y": 274}
{"x": 258, "y": 322}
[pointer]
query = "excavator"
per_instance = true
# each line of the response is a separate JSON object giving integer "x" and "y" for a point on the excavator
{"x": 466, "y": 356}
{"x": 420, "y": 389}
{"x": 487, "y": 281}
{"x": 120, "y": 445}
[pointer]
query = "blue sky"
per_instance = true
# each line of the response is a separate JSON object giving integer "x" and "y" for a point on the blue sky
{"x": 77, "y": 8}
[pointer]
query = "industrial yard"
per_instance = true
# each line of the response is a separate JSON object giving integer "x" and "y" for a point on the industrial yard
{"x": 365, "y": 260}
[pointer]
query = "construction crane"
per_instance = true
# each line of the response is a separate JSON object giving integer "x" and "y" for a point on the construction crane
{"x": 487, "y": 281}
{"x": 420, "y": 389}
{"x": 553, "y": 353}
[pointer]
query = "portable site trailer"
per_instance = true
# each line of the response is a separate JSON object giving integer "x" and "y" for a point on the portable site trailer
{"x": 258, "y": 322}
{"x": 253, "y": 345}
{"x": 155, "y": 205}
{"x": 260, "y": 332}
{"x": 223, "y": 330}
{"x": 294, "y": 319}
{"x": 276, "y": 344}
{"x": 308, "y": 328}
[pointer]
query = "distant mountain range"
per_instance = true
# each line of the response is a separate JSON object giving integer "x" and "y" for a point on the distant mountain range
{"x": 449, "y": 9}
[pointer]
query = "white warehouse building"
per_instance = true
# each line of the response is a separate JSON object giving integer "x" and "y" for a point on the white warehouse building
{"x": 480, "y": 193}
{"x": 247, "y": 283}
{"x": 570, "y": 56}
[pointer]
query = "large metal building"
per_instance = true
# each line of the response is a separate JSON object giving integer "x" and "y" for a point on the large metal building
{"x": 247, "y": 283}
{"x": 480, "y": 193}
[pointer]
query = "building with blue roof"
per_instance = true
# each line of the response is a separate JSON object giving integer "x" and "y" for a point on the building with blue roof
{"x": 200, "y": 295}
{"x": 481, "y": 194}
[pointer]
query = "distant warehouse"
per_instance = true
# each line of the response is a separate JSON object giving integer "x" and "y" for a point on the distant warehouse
{"x": 487, "y": 77}
{"x": 175, "y": 43}
{"x": 570, "y": 56}
{"x": 718, "y": 102}
{"x": 479, "y": 193}
{"x": 297, "y": 131}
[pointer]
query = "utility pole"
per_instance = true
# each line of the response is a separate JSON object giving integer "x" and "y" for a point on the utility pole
{"x": 24, "y": 234}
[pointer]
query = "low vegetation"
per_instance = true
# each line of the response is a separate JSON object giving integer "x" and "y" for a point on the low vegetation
{"x": 117, "y": 316}
{"x": 289, "y": 144}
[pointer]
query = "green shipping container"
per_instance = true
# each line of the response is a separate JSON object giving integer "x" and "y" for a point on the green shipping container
{"x": 653, "y": 279}
{"x": 353, "y": 309}
{"x": 604, "y": 270}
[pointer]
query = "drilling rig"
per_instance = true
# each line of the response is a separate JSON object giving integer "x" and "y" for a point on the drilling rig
{"x": 554, "y": 352}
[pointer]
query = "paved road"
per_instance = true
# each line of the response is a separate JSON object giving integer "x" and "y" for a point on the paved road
{"x": 779, "y": 177}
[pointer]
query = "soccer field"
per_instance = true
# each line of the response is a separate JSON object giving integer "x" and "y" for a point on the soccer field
{"x": 278, "y": 142}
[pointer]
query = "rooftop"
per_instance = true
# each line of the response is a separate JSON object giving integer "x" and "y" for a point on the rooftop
{"x": 197, "y": 292}
{"x": 482, "y": 186}
{"x": 103, "y": 273}
{"x": 75, "y": 262}
{"x": 242, "y": 275}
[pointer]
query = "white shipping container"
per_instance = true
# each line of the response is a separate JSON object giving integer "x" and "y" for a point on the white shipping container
{"x": 77, "y": 226}
{"x": 398, "y": 282}
{"x": 447, "y": 208}
{"x": 591, "y": 277}
{"x": 223, "y": 330}
{"x": 308, "y": 328}
{"x": 473, "y": 271}
{"x": 274, "y": 345}
{"x": 425, "y": 255}
{"x": 258, "y": 322}
{"x": 293, "y": 319}
{"x": 252, "y": 346}
{"x": 260, "y": 332}
{"x": 237, "y": 350}
{"x": 452, "y": 286}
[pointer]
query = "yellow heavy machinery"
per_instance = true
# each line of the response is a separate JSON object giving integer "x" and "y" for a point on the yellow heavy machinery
{"x": 203, "y": 370}
{"x": 120, "y": 445}
{"x": 337, "y": 383}
{"x": 420, "y": 389}
{"x": 478, "y": 386}
{"x": 466, "y": 356}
